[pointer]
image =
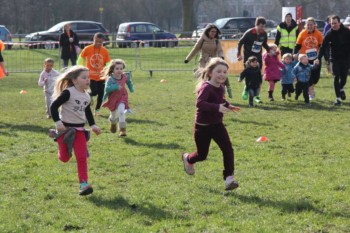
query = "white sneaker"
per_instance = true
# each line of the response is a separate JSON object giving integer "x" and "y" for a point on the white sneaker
{"x": 230, "y": 183}
{"x": 189, "y": 169}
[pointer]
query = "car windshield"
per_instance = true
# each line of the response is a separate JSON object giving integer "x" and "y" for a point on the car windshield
{"x": 57, "y": 27}
{"x": 221, "y": 22}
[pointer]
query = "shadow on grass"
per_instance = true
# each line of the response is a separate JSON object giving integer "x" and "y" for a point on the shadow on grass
{"x": 137, "y": 121}
{"x": 290, "y": 206}
{"x": 11, "y": 129}
{"x": 152, "y": 145}
{"x": 146, "y": 209}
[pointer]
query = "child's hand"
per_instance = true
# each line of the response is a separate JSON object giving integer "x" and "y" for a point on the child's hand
{"x": 61, "y": 128}
{"x": 223, "y": 109}
{"x": 96, "y": 129}
{"x": 234, "y": 108}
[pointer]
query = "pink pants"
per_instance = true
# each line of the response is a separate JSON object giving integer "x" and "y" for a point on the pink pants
{"x": 80, "y": 151}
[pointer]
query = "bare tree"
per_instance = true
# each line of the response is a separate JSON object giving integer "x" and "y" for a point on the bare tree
{"x": 188, "y": 20}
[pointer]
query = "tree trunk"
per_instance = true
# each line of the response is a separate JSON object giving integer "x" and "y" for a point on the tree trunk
{"x": 188, "y": 19}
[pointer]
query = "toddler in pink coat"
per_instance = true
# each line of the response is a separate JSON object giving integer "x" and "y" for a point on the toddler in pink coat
{"x": 272, "y": 71}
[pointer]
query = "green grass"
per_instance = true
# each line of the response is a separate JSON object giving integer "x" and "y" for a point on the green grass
{"x": 296, "y": 182}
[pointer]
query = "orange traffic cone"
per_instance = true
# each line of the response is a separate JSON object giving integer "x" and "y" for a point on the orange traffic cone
{"x": 163, "y": 81}
{"x": 262, "y": 139}
{"x": 23, "y": 92}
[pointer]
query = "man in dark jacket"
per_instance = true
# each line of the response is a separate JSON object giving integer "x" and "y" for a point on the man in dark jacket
{"x": 287, "y": 34}
{"x": 338, "y": 38}
{"x": 253, "y": 40}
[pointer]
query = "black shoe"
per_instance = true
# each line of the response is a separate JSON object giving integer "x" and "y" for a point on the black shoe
{"x": 337, "y": 103}
{"x": 289, "y": 94}
{"x": 342, "y": 95}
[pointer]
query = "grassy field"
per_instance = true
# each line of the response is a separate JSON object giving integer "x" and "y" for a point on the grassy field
{"x": 296, "y": 182}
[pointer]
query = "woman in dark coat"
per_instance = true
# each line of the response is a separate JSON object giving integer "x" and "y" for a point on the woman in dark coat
{"x": 68, "y": 42}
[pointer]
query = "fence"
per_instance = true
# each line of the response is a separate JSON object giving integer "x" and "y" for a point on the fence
{"x": 162, "y": 56}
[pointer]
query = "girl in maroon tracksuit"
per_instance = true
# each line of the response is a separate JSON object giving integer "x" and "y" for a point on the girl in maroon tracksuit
{"x": 208, "y": 122}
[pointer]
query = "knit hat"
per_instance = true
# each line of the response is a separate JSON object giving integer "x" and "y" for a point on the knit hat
{"x": 290, "y": 14}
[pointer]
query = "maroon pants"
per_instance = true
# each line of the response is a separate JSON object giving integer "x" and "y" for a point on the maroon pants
{"x": 203, "y": 136}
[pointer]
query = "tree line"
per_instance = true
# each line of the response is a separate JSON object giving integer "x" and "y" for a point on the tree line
{"x": 25, "y": 16}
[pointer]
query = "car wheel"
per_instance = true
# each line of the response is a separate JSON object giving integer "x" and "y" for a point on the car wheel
{"x": 170, "y": 44}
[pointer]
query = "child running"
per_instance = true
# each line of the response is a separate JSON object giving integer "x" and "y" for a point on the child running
{"x": 208, "y": 121}
{"x": 287, "y": 79}
{"x": 253, "y": 80}
{"x": 117, "y": 95}
{"x": 70, "y": 95}
{"x": 47, "y": 81}
{"x": 302, "y": 72}
{"x": 272, "y": 72}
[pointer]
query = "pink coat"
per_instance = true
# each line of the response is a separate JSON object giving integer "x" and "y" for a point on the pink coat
{"x": 273, "y": 67}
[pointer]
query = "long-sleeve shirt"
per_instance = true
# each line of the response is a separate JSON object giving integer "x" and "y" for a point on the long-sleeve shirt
{"x": 208, "y": 103}
{"x": 47, "y": 80}
{"x": 75, "y": 108}
{"x": 252, "y": 77}
{"x": 339, "y": 41}
{"x": 252, "y": 43}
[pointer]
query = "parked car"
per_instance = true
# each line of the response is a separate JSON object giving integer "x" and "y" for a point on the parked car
{"x": 346, "y": 21}
{"x": 132, "y": 33}
{"x": 195, "y": 33}
{"x": 5, "y": 36}
{"x": 85, "y": 31}
{"x": 320, "y": 25}
{"x": 232, "y": 27}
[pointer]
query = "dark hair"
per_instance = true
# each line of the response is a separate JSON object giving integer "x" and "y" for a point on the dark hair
{"x": 335, "y": 17}
{"x": 209, "y": 27}
{"x": 260, "y": 20}
{"x": 99, "y": 35}
{"x": 251, "y": 59}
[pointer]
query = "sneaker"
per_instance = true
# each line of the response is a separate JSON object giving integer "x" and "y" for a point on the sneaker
{"x": 250, "y": 105}
{"x": 337, "y": 102}
{"x": 48, "y": 116}
{"x": 257, "y": 99}
{"x": 189, "y": 169}
{"x": 342, "y": 95}
{"x": 85, "y": 189}
{"x": 283, "y": 99}
{"x": 230, "y": 183}
{"x": 271, "y": 99}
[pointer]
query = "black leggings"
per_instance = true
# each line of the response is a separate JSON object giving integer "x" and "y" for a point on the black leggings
{"x": 97, "y": 88}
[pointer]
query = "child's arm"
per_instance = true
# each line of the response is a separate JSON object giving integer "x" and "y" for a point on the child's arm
{"x": 129, "y": 82}
{"x": 90, "y": 119}
{"x": 64, "y": 97}
{"x": 42, "y": 80}
{"x": 111, "y": 86}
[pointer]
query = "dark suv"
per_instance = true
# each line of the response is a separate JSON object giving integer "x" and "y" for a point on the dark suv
{"x": 5, "y": 36}
{"x": 132, "y": 33}
{"x": 232, "y": 27}
{"x": 85, "y": 31}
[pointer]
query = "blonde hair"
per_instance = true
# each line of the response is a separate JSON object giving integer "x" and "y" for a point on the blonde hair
{"x": 272, "y": 46}
{"x": 49, "y": 60}
{"x": 310, "y": 19}
{"x": 203, "y": 73}
{"x": 287, "y": 55}
{"x": 65, "y": 80}
{"x": 108, "y": 70}
{"x": 301, "y": 56}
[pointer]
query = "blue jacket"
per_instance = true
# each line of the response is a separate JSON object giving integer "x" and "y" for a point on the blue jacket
{"x": 287, "y": 76}
{"x": 302, "y": 72}
{"x": 112, "y": 85}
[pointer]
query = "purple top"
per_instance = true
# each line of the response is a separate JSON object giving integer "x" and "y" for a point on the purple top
{"x": 209, "y": 99}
